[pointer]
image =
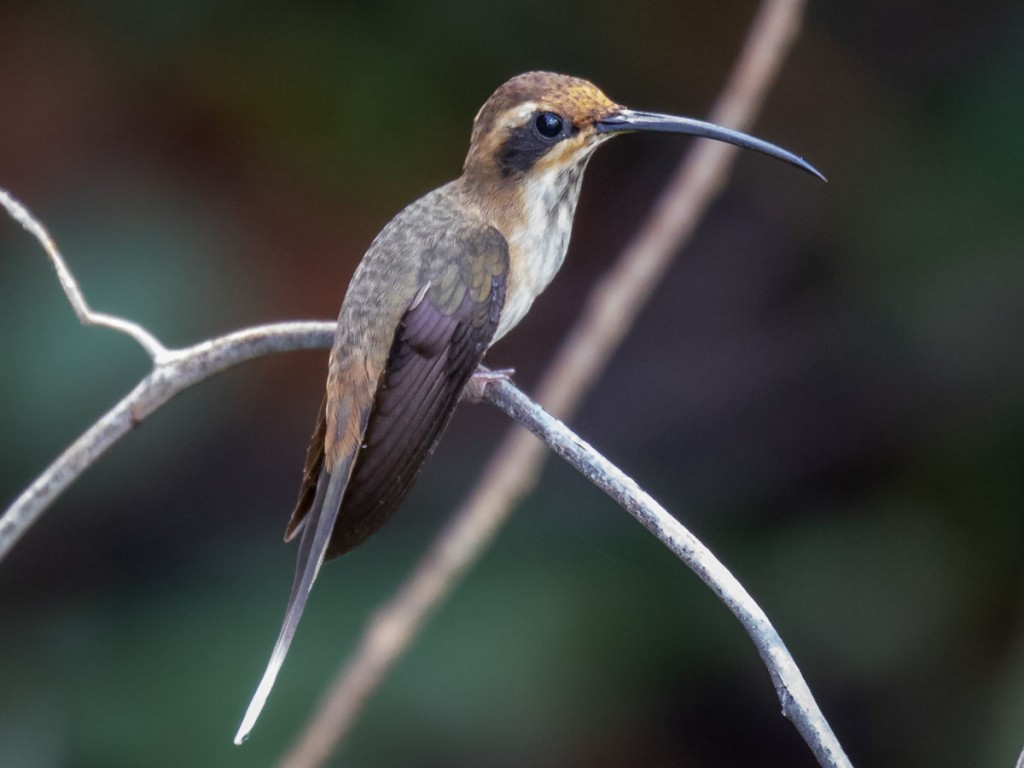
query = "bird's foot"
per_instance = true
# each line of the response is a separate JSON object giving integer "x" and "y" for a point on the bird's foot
{"x": 474, "y": 391}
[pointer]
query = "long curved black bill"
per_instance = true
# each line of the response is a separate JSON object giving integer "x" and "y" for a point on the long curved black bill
{"x": 628, "y": 120}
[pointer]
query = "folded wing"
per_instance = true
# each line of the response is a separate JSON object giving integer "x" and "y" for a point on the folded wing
{"x": 438, "y": 344}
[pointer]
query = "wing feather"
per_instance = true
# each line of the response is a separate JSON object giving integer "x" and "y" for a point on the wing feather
{"x": 374, "y": 431}
{"x": 434, "y": 353}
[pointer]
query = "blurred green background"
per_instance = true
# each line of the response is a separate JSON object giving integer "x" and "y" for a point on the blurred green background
{"x": 827, "y": 387}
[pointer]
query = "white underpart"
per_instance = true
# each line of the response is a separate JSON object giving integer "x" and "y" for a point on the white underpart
{"x": 538, "y": 249}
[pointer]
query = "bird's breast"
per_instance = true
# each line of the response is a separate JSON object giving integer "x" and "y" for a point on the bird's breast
{"x": 537, "y": 246}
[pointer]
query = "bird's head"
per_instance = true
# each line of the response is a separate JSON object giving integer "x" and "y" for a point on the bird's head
{"x": 541, "y": 121}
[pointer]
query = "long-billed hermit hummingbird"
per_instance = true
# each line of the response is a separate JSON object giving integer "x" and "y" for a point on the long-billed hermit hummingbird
{"x": 446, "y": 278}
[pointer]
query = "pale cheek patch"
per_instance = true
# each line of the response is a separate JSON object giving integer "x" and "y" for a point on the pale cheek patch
{"x": 567, "y": 153}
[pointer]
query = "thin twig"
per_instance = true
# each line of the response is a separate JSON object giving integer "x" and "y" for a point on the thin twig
{"x": 514, "y": 468}
{"x": 174, "y": 371}
{"x": 156, "y": 351}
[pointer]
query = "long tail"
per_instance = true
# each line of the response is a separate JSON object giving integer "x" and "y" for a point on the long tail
{"x": 316, "y": 535}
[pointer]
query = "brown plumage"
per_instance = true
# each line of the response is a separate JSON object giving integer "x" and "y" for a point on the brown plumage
{"x": 446, "y": 278}
{"x": 389, "y": 398}
{"x": 456, "y": 239}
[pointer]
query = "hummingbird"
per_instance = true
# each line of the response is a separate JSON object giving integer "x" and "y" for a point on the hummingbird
{"x": 445, "y": 279}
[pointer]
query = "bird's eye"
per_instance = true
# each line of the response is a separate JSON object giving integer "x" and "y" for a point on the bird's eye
{"x": 549, "y": 125}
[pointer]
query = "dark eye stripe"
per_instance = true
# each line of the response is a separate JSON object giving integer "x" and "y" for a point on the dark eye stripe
{"x": 527, "y": 143}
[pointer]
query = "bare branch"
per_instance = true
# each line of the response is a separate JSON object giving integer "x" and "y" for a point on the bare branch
{"x": 797, "y": 701}
{"x": 608, "y": 315}
{"x": 176, "y": 372}
{"x": 156, "y": 351}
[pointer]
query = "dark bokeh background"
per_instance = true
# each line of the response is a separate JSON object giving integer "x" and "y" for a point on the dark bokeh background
{"x": 827, "y": 388}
